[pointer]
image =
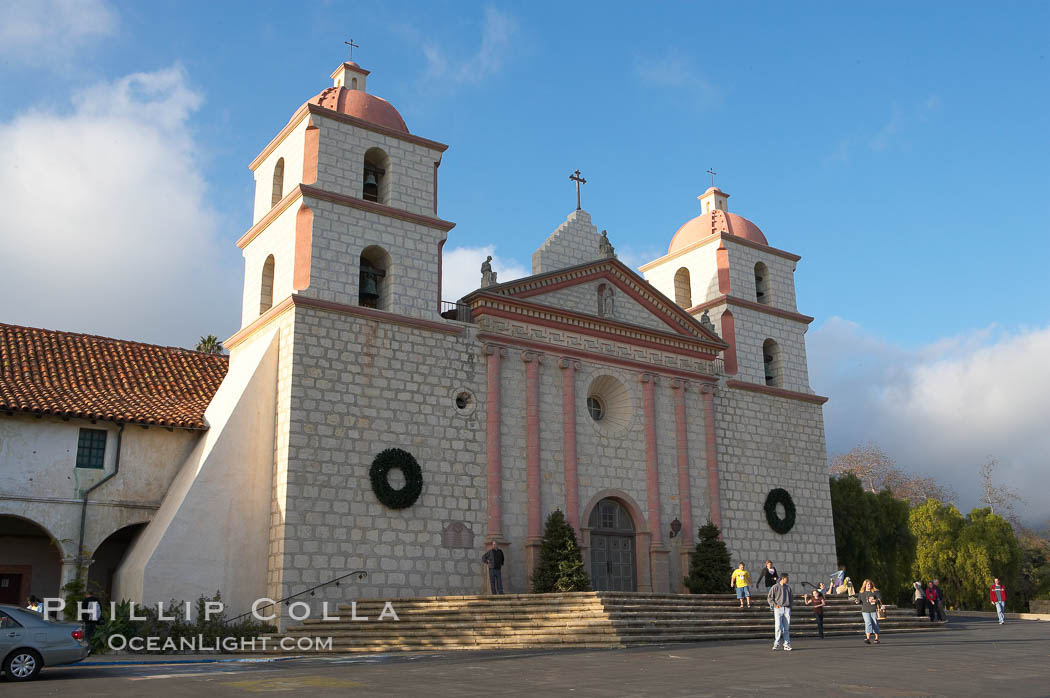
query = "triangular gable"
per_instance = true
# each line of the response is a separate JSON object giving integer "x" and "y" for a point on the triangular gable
{"x": 641, "y": 294}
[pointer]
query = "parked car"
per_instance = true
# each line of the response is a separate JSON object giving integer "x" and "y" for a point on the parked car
{"x": 29, "y": 642}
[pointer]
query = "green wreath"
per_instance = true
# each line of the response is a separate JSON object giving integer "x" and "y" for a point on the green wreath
{"x": 780, "y": 496}
{"x": 380, "y": 470}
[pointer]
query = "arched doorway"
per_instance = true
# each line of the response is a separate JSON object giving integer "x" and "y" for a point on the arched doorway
{"x": 612, "y": 547}
{"x": 107, "y": 558}
{"x": 30, "y": 561}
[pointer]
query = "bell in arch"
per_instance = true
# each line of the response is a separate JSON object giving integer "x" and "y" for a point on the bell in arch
{"x": 369, "y": 293}
{"x": 371, "y": 188}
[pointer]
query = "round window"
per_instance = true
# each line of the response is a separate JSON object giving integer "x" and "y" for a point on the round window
{"x": 596, "y": 408}
{"x": 462, "y": 401}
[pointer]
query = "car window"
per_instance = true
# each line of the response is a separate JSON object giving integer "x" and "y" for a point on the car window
{"x": 7, "y": 621}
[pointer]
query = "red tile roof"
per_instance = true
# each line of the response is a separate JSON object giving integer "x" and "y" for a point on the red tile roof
{"x": 81, "y": 375}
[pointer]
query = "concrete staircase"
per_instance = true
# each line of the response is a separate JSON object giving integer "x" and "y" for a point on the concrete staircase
{"x": 600, "y": 619}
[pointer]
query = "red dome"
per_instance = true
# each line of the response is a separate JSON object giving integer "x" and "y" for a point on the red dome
{"x": 361, "y": 105}
{"x": 715, "y": 221}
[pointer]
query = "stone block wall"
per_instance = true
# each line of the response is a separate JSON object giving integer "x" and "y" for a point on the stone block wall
{"x": 752, "y": 329}
{"x": 766, "y": 442}
{"x": 360, "y": 386}
{"x": 291, "y": 149}
{"x": 341, "y": 165}
{"x": 702, "y": 264}
{"x": 742, "y": 261}
{"x": 583, "y": 298}
{"x": 278, "y": 239}
{"x": 574, "y": 242}
{"x": 341, "y": 233}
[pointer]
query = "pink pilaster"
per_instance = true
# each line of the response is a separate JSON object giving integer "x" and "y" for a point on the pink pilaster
{"x": 682, "y": 446}
{"x": 495, "y": 357}
{"x": 532, "y": 458}
{"x": 568, "y": 407}
{"x": 658, "y": 553}
{"x": 713, "y": 488}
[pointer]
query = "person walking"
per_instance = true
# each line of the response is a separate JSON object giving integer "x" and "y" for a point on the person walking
{"x": 997, "y": 594}
{"x": 494, "y": 559}
{"x": 919, "y": 599}
{"x": 939, "y": 603}
{"x": 741, "y": 581}
{"x": 870, "y": 600}
{"x": 931, "y": 601}
{"x": 817, "y": 601}
{"x": 779, "y": 596}
{"x": 769, "y": 576}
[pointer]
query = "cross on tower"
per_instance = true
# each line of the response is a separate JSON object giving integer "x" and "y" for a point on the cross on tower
{"x": 352, "y": 46}
{"x": 579, "y": 180}
{"x": 712, "y": 173}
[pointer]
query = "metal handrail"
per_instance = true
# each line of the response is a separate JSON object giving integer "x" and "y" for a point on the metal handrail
{"x": 361, "y": 574}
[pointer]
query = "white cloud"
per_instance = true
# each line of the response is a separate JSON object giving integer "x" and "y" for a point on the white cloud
{"x": 941, "y": 409}
{"x": 677, "y": 73}
{"x": 106, "y": 228}
{"x": 461, "y": 270}
{"x": 42, "y": 31}
{"x": 497, "y": 33}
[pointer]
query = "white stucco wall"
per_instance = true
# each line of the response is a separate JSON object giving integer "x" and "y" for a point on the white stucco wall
{"x": 211, "y": 531}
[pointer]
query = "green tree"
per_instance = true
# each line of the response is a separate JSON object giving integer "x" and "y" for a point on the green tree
{"x": 210, "y": 345}
{"x": 937, "y": 527}
{"x": 987, "y": 549}
{"x": 709, "y": 568}
{"x": 560, "y": 567}
{"x": 873, "y": 539}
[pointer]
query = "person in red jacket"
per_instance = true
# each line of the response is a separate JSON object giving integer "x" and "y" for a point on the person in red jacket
{"x": 931, "y": 601}
{"x": 997, "y": 594}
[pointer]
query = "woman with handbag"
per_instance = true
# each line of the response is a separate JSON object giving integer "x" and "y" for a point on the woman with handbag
{"x": 870, "y": 605}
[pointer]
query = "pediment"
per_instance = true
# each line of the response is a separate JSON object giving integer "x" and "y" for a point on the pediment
{"x": 577, "y": 291}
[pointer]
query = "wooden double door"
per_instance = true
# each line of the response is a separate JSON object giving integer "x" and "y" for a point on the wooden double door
{"x": 612, "y": 548}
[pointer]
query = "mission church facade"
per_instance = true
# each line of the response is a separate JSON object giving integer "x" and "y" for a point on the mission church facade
{"x": 640, "y": 406}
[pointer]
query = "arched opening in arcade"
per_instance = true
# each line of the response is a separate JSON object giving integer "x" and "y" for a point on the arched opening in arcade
{"x": 612, "y": 547}
{"x": 107, "y": 558}
{"x": 30, "y": 561}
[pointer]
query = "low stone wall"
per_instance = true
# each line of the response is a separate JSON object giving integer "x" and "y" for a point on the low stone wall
{"x": 1009, "y": 616}
{"x": 1039, "y": 606}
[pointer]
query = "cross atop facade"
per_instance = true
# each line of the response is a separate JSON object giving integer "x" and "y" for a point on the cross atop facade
{"x": 579, "y": 180}
{"x": 712, "y": 173}
{"x": 352, "y": 46}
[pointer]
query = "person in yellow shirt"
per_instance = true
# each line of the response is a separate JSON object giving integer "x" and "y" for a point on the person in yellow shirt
{"x": 741, "y": 581}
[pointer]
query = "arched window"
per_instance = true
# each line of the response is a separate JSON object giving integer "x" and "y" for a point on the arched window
{"x": 683, "y": 290}
{"x": 376, "y": 185}
{"x": 762, "y": 283}
{"x": 353, "y": 83}
{"x": 278, "y": 183}
{"x": 374, "y": 287}
{"x": 266, "y": 287}
{"x": 771, "y": 363}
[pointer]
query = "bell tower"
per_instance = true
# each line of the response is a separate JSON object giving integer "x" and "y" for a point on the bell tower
{"x": 346, "y": 208}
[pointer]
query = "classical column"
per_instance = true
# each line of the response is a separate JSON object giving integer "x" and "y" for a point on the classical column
{"x": 713, "y": 488}
{"x": 532, "y": 458}
{"x": 568, "y": 408}
{"x": 658, "y": 553}
{"x": 682, "y": 445}
{"x": 495, "y": 355}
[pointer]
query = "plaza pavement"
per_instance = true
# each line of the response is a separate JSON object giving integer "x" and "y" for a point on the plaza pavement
{"x": 975, "y": 657}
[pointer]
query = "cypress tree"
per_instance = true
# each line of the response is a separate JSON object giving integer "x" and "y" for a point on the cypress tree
{"x": 560, "y": 566}
{"x": 710, "y": 569}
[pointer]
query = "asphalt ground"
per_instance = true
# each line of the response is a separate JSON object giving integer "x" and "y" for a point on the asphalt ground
{"x": 974, "y": 657}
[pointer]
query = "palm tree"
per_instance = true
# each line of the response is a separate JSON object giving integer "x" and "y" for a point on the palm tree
{"x": 210, "y": 345}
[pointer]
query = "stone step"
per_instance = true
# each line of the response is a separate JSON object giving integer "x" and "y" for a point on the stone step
{"x": 582, "y": 619}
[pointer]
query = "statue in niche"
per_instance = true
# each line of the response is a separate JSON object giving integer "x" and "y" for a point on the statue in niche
{"x": 488, "y": 277}
{"x": 605, "y": 301}
{"x": 605, "y": 248}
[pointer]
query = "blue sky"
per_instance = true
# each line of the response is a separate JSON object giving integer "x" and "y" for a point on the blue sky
{"x": 901, "y": 149}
